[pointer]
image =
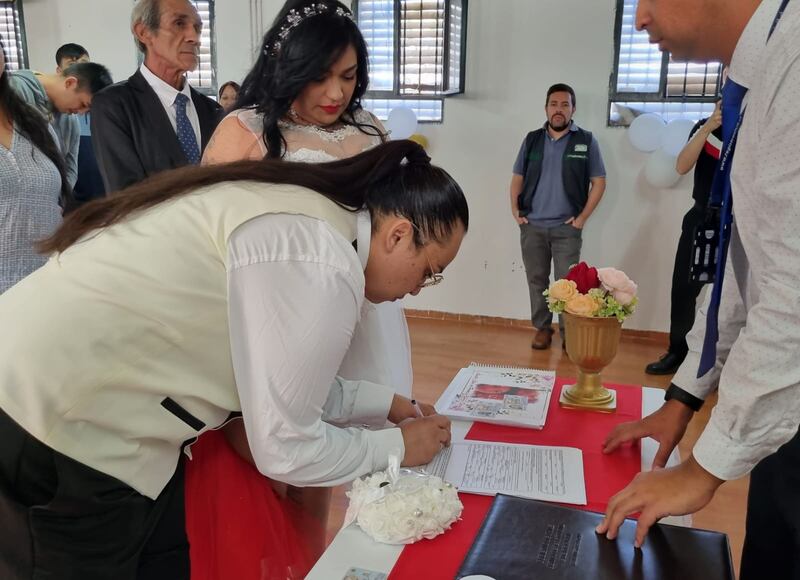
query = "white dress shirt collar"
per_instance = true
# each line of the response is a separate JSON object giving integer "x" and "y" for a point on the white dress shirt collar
{"x": 166, "y": 95}
{"x": 363, "y": 236}
{"x": 747, "y": 55}
{"x": 166, "y": 92}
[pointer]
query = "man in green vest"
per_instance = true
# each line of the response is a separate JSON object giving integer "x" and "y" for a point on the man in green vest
{"x": 557, "y": 182}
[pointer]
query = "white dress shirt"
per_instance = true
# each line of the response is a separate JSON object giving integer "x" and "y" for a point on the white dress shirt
{"x": 758, "y": 354}
{"x": 296, "y": 291}
{"x": 381, "y": 348}
{"x": 166, "y": 94}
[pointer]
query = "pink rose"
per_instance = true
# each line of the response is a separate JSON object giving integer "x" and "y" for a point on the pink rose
{"x": 624, "y": 298}
{"x": 622, "y": 288}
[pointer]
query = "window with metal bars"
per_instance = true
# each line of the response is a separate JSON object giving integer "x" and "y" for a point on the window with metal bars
{"x": 416, "y": 53}
{"x": 12, "y": 34}
{"x": 647, "y": 80}
{"x": 204, "y": 77}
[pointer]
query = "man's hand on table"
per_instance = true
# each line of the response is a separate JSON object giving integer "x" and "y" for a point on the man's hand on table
{"x": 667, "y": 426}
{"x": 423, "y": 438}
{"x": 402, "y": 408}
{"x": 656, "y": 494}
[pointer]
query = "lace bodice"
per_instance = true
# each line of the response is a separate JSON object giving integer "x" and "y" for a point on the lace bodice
{"x": 380, "y": 350}
{"x": 240, "y": 137}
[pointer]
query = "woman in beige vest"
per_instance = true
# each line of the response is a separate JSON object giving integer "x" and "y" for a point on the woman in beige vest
{"x": 190, "y": 296}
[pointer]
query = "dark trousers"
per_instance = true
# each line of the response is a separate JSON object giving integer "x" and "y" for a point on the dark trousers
{"x": 62, "y": 520}
{"x": 540, "y": 246}
{"x": 684, "y": 291}
{"x": 772, "y": 541}
{"x": 90, "y": 183}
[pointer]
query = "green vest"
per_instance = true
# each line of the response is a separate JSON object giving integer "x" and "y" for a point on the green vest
{"x": 574, "y": 169}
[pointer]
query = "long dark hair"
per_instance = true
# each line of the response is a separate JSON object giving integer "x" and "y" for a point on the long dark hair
{"x": 305, "y": 55}
{"x": 34, "y": 126}
{"x": 395, "y": 178}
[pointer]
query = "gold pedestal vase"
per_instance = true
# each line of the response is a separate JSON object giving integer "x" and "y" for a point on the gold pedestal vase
{"x": 591, "y": 345}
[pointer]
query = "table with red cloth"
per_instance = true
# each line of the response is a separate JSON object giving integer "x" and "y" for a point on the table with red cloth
{"x": 442, "y": 556}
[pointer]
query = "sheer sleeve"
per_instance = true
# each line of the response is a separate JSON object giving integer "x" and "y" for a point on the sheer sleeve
{"x": 377, "y": 124}
{"x": 233, "y": 140}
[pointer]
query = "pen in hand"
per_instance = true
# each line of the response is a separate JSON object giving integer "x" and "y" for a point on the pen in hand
{"x": 416, "y": 408}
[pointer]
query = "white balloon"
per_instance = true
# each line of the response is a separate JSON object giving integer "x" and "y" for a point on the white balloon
{"x": 402, "y": 123}
{"x": 676, "y": 135}
{"x": 659, "y": 171}
{"x": 645, "y": 132}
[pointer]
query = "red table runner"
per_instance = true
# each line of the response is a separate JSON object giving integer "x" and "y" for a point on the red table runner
{"x": 605, "y": 475}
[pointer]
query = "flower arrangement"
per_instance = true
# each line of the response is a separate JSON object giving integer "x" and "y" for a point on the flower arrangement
{"x": 594, "y": 292}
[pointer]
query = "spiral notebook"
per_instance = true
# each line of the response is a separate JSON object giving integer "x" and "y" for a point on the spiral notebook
{"x": 499, "y": 394}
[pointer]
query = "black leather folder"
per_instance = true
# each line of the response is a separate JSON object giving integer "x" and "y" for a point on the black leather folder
{"x": 524, "y": 539}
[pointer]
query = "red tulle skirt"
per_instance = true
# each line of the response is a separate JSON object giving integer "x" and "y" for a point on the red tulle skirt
{"x": 238, "y": 527}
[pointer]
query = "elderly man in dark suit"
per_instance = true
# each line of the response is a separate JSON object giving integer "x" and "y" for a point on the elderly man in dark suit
{"x": 154, "y": 121}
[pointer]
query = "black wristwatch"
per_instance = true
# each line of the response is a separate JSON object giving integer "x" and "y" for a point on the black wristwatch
{"x": 688, "y": 399}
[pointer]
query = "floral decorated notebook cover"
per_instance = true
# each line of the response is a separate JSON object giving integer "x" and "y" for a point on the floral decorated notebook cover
{"x": 494, "y": 394}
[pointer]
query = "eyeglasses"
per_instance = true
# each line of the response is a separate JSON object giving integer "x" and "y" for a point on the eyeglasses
{"x": 433, "y": 278}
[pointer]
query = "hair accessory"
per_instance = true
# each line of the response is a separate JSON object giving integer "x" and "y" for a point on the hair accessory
{"x": 295, "y": 17}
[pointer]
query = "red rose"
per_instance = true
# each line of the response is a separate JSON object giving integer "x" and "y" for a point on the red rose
{"x": 585, "y": 278}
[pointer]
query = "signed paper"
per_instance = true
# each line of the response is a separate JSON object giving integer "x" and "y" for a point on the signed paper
{"x": 533, "y": 471}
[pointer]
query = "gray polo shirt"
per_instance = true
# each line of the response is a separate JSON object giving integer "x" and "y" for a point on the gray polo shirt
{"x": 66, "y": 127}
{"x": 550, "y": 205}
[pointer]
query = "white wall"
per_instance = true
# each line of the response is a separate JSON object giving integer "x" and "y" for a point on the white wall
{"x": 103, "y": 27}
{"x": 517, "y": 48}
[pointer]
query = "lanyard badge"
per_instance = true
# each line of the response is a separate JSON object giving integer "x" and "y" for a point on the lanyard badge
{"x": 705, "y": 248}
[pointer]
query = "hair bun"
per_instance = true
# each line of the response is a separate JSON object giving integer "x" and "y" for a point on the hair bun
{"x": 416, "y": 154}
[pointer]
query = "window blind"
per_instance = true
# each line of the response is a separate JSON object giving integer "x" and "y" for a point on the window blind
{"x": 422, "y": 28}
{"x": 689, "y": 79}
{"x": 203, "y": 78}
{"x": 11, "y": 33}
{"x": 651, "y": 81}
{"x": 376, "y": 19}
{"x": 639, "y": 64}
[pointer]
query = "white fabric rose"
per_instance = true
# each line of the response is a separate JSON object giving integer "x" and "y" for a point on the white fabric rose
{"x": 402, "y": 506}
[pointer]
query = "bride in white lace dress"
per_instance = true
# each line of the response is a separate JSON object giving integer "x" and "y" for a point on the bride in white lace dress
{"x": 381, "y": 350}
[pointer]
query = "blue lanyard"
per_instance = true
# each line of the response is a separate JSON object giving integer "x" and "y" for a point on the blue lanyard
{"x": 718, "y": 193}
{"x": 778, "y": 17}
